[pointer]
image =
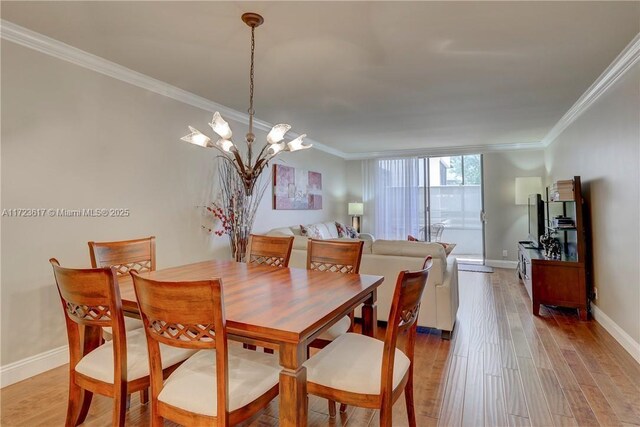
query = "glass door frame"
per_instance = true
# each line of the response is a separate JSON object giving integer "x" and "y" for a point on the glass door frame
{"x": 427, "y": 197}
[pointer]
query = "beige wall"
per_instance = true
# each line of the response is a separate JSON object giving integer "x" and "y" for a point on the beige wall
{"x": 603, "y": 147}
{"x": 507, "y": 223}
{"x": 72, "y": 138}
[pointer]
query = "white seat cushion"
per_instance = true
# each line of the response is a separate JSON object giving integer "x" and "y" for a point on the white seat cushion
{"x": 129, "y": 325}
{"x": 353, "y": 362}
{"x": 192, "y": 386}
{"x": 99, "y": 363}
{"x": 339, "y": 328}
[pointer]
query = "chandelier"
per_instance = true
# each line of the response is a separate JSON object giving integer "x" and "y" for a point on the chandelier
{"x": 248, "y": 168}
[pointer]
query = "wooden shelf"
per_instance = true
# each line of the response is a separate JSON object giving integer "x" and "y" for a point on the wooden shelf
{"x": 565, "y": 281}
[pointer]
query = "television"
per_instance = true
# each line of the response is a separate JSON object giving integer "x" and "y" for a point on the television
{"x": 536, "y": 219}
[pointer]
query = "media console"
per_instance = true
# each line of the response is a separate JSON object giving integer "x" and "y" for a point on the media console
{"x": 564, "y": 281}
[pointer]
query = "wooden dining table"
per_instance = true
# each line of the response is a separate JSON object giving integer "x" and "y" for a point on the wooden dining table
{"x": 284, "y": 307}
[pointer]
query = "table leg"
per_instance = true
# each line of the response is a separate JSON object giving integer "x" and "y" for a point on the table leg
{"x": 293, "y": 385}
{"x": 370, "y": 316}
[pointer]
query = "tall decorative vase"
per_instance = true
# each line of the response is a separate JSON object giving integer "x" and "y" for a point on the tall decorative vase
{"x": 239, "y": 207}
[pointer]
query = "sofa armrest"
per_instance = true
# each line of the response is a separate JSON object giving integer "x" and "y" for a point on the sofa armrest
{"x": 448, "y": 297}
{"x": 366, "y": 236}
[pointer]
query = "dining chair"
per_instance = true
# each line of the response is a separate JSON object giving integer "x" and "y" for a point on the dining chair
{"x": 125, "y": 255}
{"x": 344, "y": 371}
{"x": 91, "y": 300}
{"x": 221, "y": 384}
{"x": 269, "y": 250}
{"x": 336, "y": 257}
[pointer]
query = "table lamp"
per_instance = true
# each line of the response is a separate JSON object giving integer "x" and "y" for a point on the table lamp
{"x": 356, "y": 210}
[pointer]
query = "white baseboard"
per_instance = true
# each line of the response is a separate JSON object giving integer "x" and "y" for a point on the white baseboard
{"x": 625, "y": 340}
{"x": 33, "y": 365}
{"x": 500, "y": 263}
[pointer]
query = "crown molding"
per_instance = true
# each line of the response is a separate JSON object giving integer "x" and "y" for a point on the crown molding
{"x": 447, "y": 151}
{"x": 623, "y": 62}
{"x": 49, "y": 46}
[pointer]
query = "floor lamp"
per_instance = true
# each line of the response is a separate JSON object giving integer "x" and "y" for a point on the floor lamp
{"x": 356, "y": 210}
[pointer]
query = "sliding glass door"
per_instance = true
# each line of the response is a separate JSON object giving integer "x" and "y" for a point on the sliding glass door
{"x": 452, "y": 204}
{"x": 437, "y": 199}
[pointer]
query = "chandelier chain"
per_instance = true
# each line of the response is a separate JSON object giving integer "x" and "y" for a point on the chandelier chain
{"x": 251, "y": 84}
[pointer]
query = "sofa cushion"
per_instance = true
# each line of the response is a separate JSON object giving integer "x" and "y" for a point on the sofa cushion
{"x": 300, "y": 242}
{"x": 410, "y": 249}
{"x": 312, "y": 231}
{"x": 332, "y": 230}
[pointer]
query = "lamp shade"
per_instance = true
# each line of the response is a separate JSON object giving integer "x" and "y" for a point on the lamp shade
{"x": 525, "y": 186}
{"x": 356, "y": 208}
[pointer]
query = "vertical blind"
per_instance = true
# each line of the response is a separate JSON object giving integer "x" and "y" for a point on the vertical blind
{"x": 392, "y": 197}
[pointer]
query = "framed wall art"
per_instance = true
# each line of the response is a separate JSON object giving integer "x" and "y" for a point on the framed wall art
{"x": 296, "y": 189}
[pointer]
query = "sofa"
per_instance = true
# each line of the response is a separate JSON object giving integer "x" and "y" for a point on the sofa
{"x": 387, "y": 258}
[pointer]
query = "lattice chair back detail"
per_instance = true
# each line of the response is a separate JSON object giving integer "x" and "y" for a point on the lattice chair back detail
{"x": 127, "y": 255}
{"x": 335, "y": 257}
{"x": 269, "y": 250}
{"x": 181, "y": 314}
{"x": 89, "y": 297}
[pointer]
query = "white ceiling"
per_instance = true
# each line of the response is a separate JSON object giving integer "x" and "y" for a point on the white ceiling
{"x": 363, "y": 76}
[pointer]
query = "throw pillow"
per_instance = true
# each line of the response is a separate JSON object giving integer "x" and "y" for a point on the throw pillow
{"x": 412, "y": 239}
{"x": 311, "y": 231}
{"x": 346, "y": 231}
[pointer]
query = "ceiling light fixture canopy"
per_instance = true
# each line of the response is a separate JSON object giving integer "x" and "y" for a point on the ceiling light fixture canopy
{"x": 248, "y": 170}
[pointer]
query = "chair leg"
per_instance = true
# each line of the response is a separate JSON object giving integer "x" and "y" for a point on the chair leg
{"x": 156, "y": 420}
{"x": 78, "y": 404}
{"x": 144, "y": 396}
{"x": 408, "y": 397}
{"x": 120, "y": 405}
{"x": 343, "y": 408}
{"x": 332, "y": 408}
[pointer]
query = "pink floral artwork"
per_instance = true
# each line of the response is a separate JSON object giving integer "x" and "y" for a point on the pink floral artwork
{"x": 296, "y": 189}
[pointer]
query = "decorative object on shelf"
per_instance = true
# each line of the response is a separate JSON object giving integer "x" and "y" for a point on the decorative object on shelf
{"x": 525, "y": 186}
{"x": 240, "y": 176}
{"x": 355, "y": 211}
{"x": 295, "y": 188}
{"x": 551, "y": 245}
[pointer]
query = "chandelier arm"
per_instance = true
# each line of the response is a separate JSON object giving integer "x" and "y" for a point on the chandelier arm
{"x": 230, "y": 160}
{"x": 263, "y": 153}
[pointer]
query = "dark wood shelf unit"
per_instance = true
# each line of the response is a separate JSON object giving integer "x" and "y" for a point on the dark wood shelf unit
{"x": 560, "y": 282}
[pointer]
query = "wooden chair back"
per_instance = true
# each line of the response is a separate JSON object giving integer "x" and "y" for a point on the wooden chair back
{"x": 403, "y": 317}
{"x": 269, "y": 250}
{"x": 91, "y": 298}
{"x": 334, "y": 256}
{"x": 126, "y": 255}
{"x": 186, "y": 315}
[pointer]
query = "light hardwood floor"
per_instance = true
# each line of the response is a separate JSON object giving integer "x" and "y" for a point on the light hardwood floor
{"x": 502, "y": 367}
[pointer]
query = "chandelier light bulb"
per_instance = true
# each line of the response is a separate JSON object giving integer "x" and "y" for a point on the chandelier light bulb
{"x": 277, "y": 133}
{"x": 276, "y": 148}
{"x": 220, "y": 126}
{"x": 225, "y": 144}
{"x": 297, "y": 144}
{"x": 196, "y": 137}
